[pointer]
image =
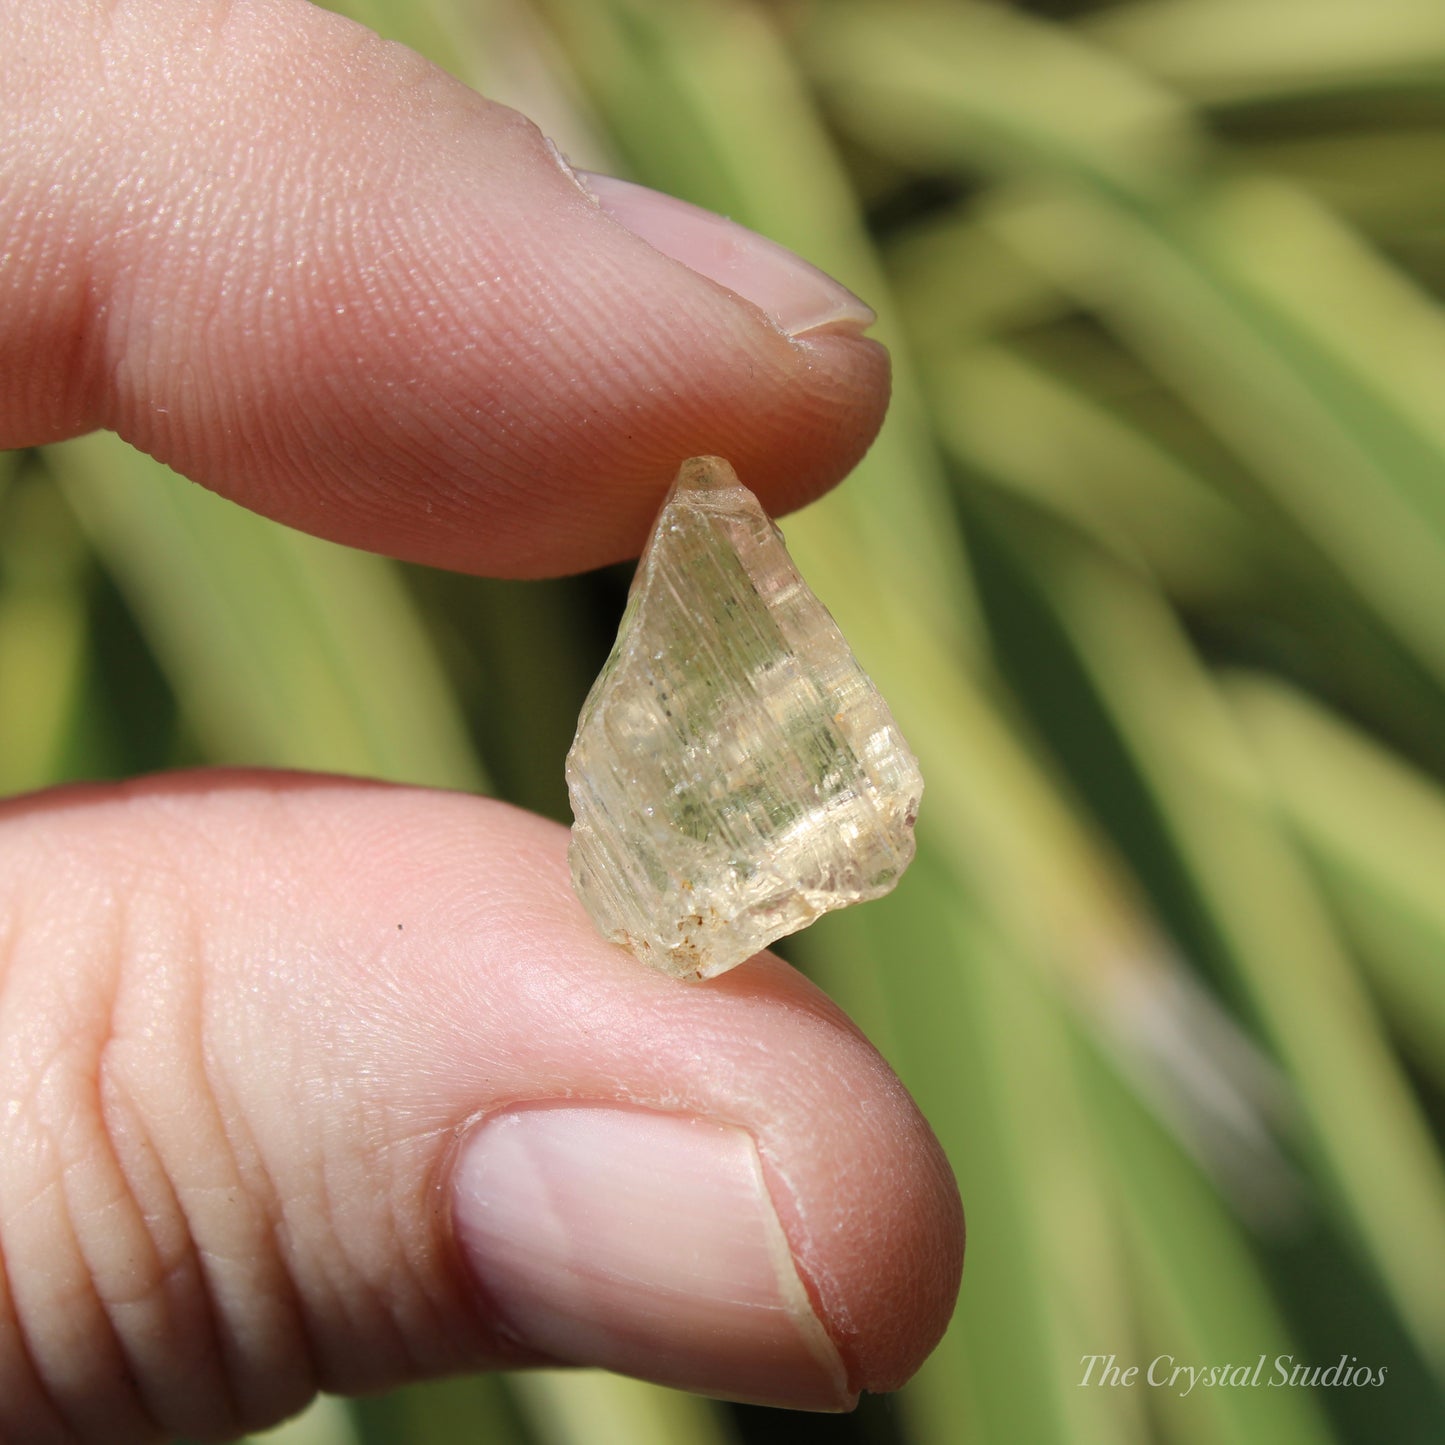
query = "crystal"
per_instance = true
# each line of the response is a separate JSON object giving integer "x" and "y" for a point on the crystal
{"x": 735, "y": 773}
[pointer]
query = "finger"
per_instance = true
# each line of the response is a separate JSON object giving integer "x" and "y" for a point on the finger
{"x": 306, "y": 268}
{"x": 312, "y": 1084}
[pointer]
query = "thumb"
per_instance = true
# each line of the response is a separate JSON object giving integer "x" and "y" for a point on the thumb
{"x": 314, "y": 1085}
{"x": 313, "y": 272}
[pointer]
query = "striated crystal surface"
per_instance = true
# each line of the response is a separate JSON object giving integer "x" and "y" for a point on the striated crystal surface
{"x": 735, "y": 772}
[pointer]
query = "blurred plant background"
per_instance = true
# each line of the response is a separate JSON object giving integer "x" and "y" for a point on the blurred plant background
{"x": 1150, "y": 560}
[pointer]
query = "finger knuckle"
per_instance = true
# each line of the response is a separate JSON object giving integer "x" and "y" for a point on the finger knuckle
{"x": 141, "y": 1292}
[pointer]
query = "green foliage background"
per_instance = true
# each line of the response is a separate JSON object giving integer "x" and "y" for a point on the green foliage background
{"x": 1150, "y": 560}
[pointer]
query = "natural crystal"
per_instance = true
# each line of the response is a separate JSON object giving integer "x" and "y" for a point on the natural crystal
{"x": 735, "y": 772}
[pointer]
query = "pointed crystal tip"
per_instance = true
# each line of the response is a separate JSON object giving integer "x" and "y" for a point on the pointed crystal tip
{"x": 704, "y": 474}
{"x": 735, "y": 773}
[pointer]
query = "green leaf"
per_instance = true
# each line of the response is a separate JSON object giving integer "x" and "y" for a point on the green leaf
{"x": 1243, "y": 896}
{"x": 1268, "y": 50}
{"x": 980, "y": 1037}
{"x": 1311, "y": 357}
{"x": 284, "y": 650}
{"x": 1375, "y": 828}
{"x": 44, "y": 568}
{"x": 590, "y": 1407}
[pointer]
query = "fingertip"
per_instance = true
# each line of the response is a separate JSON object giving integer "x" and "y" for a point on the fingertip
{"x": 790, "y": 444}
{"x": 872, "y": 1211}
{"x": 842, "y": 399}
{"x": 862, "y": 1189}
{"x": 393, "y": 976}
{"x": 434, "y": 346}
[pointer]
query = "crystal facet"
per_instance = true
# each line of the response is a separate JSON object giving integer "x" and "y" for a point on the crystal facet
{"x": 735, "y": 772}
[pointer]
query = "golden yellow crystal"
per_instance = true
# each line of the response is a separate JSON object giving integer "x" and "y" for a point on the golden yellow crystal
{"x": 735, "y": 773}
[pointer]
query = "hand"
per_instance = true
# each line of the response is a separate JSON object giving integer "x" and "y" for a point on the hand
{"x": 308, "y": 1083}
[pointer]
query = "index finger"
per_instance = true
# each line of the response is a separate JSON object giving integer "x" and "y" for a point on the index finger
{"x": 319, "y": 276}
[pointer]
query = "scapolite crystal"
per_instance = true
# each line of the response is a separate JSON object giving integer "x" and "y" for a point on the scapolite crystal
{"x": 735, "y": 773}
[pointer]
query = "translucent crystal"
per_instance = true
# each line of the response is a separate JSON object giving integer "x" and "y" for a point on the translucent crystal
{"x": 735, "y": 772}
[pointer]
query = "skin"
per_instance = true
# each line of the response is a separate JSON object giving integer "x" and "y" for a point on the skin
{"x": 243, "y": 1017}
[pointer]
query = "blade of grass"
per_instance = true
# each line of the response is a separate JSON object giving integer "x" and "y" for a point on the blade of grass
{"x": 1308, "y": 354}
{"x": 1380, "y": 180}
{"x": 1256, "y": 912}
{"x": 1010, "y": 835}
{"x": 477, "y": 1407}
{"x": 284, "y": 650}
{"x": 1033, "y": 398}
{"x": 1375, "y": 827}
{"x": 1004, "y": 93}
{"x": 1376, "y": 556}
{"x": 1266, "y": 50}
{"x": 978, "y": 1036}
{"x": 954, "y": 281}
{"x": 44, "y": 568}
{"x": 1013, "y": 422}
{"x": 1142, "y": 481}
{"x": 1201, "y": 1296}
{"x": 588, "y": 1407}
{"x": 517, "y": 656}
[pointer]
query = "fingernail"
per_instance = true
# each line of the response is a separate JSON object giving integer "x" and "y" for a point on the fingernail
{"x": 643, "y": 1243}
{"x": 796, "y": 296}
